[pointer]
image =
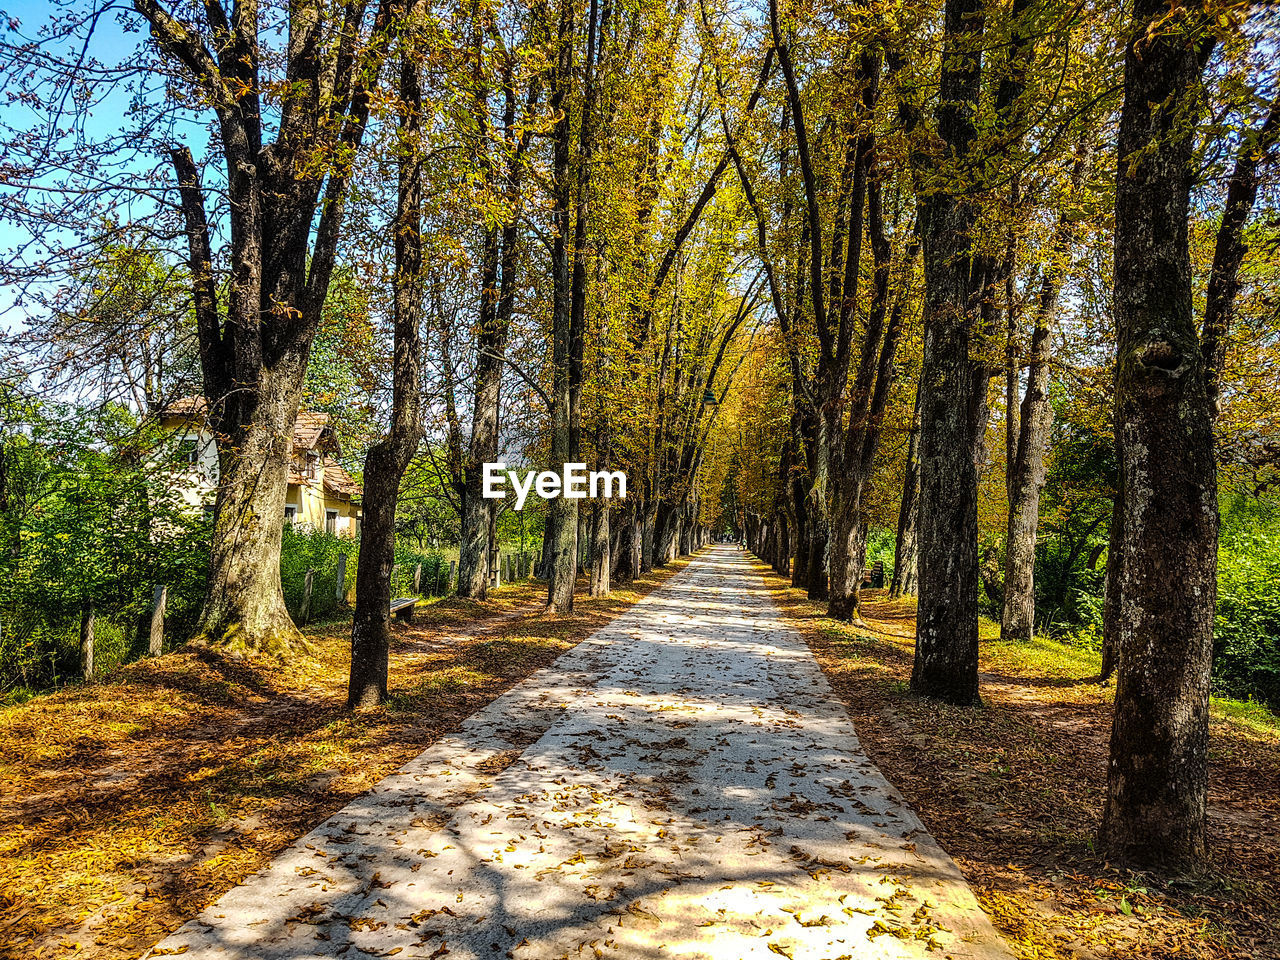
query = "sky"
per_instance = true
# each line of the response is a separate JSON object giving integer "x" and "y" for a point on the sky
{"x": 106, "y": 117}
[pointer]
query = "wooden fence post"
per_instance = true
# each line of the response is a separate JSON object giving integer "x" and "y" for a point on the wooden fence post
{"x": 417, "y": 580}
{"x": 453, "y": 566}
{"x": 86, "y": 640}
{"x": 340, "y": 579}
{"x": 307, "y": 583}
{"x": 158, "y": 599}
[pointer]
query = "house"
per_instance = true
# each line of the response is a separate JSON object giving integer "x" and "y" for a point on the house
{"x": 321, "y": 494}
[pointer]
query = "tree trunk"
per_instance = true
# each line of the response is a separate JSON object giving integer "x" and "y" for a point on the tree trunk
{"x": 904, "y": 548}
{"x": 544, "y": 556}
{"x": 562, "y": 513}
{"x": 569, "y": 294}
{"x": 601, "y": 556}
{"x": 1026, "y": 482}
{"x": 473, "y": 540}
{"x": 781, "y": 559}
{"x": 848, "y": 547}
{"x": 1157, "y": 777}
{"x": 1111, "y": 596}
{"x": 86, "y": 640}
{"x": 648, "y": 536}
{"x": 244, "y": 609}
{"x": 800, "y": 564}
{"x": 285, "y": 216}
{"x": 664, "y": 535}
{"x": 819, "y": 534}
{"x": 388, "y": 459}
{"x": 620, "y": 547}
{"x": 635, "y": 543}
{"x": 1029, "y": 442}
{"x": 872, "y": 385}
{"x": 953, "y": 405}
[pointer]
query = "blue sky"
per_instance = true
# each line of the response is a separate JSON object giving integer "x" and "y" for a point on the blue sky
{"x": 105, "y": 118}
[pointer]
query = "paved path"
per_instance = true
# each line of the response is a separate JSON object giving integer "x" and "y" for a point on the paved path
{"x": 682, "y": 784}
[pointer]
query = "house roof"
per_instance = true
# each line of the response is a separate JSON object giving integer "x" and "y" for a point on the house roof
{"x": 338, "y": 481}
{"x": 186, "y": 407}
{"x": 309, "y": 430}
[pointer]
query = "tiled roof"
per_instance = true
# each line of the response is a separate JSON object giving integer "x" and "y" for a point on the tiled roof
{"x": 307, "y": 431}
{"x": 309, "y": 428}
{"x": 186, "y": 407}
{"x": 338, "y": 481}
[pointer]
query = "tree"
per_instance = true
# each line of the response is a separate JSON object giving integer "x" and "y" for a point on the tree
{"x": 953, "y": 384}
{"x": 1030, "y": 427}
{"x": 255, "y": 336}
{"x": 500, "y": 249}
{"x": 1165, "y": 374}
{"x": 121, "y": 329}
{"x": 387, "y": 460}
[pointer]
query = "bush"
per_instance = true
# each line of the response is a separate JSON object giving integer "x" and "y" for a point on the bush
{"x": 304, "y": 549}
{"x": 1246, "y": 655}
{"x": 89, "y": 517}
{"x": 435, "y": 572}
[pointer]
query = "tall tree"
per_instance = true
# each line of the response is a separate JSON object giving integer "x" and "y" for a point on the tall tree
{"x": 569, "y": 277}
{"x": 1166, "y": 386}
{"x": 1031, "y": 433}
{"x": 953, "y": 383}
{"x": 285, "y": 205}
{"x": 388, "y": 459}
{"x": 500, "y": 249}
{"x": 904, "y": 545}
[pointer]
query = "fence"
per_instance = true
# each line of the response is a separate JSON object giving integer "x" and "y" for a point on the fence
{"x": 317, "y": 577}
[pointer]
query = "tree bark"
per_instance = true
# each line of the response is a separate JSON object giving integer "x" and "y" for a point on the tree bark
{"x": 1157, "y": 777}
{"x": 1255, "y": 152}
{"x": 1026, "y": 468}
{"x": 800, "y": 563}
{"x": 953, "y": 405}
{"x": 491, "y": 338}
{"x": 601, "y": 556}
{"x": 1111, "y": 596}
{"x": 904, "y": 547}
{"x": 569, "y": 294}
{"x": 387, "y": 460}
{"x": 286, "y": 208}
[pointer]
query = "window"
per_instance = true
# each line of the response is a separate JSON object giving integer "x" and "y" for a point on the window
{"x": 313, "y": 465}
{"x": 331, "y": 521}
{"x": 188, "y": 452}
{"x": 290, "y": 513}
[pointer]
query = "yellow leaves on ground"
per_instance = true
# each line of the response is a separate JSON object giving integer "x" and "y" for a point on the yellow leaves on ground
{"x": 1013, "y": 791}
{"x": 128, "y": 805}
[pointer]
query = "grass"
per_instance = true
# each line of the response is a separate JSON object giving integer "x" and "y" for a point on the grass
{"x": 1014, "y": 791}
{"x": 1247, "y": 715}
{"x": 129, "y": 804}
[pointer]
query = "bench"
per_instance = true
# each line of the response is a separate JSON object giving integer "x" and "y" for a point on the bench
{"x": 873, "y": 576}
{"x": 403, "y": 607}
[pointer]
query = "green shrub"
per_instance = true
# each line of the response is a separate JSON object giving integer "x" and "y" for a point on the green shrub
{"x": 435, "y": 571}
{"x": 1246, "y": 651}
{"x": 89, "y": 517}
{"x": 303, "y": 549}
